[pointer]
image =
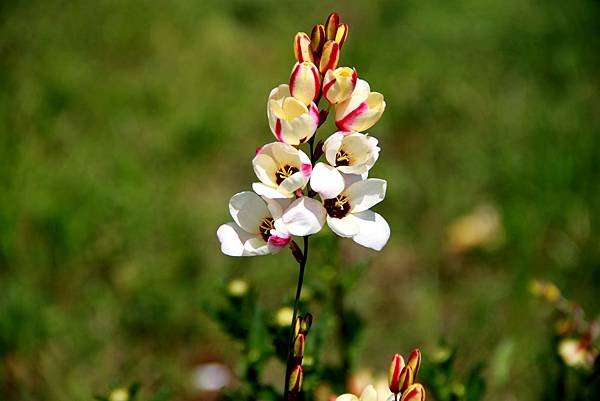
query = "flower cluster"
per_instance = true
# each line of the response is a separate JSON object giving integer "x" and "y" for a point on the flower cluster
{"x": 284, "y": 201}
{"x": 401, "y": 381}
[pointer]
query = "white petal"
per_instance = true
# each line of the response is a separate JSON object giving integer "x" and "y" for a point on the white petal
{"x": 374, "y": 231}
{"x": 293, "y": 182}
{"x": 332, "y": 145}
{"x": 365, "y": 194}
{"x": 277, "y": 206}
{"x": 362, "y": 89}
{"x": 248, "y": 210}
{"x": 350, "y": 179}
{"x": 256, "y": 246}
{"x": 347, "y": 397}
{"x": 285, "y": 154}
{"x": 327, "y": 181}
{"x": 369, "y": 394}
{"x": 269, "y": 192}
{"x": 345, "y": 227}
{"x": 232, "y": 239}
{"x": 305, "y": 216}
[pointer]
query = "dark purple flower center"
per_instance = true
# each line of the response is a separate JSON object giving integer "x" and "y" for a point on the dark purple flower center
{"x": 337, "y": 207}
{"x": 284, "y": 172}
{"x": 342, "y": 158}
{"x": 265, "y": 228}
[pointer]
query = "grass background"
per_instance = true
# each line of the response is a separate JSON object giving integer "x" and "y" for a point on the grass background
{"x": 125, "y": 126}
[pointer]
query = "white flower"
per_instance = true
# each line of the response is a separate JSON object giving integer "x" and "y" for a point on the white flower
{"x": 290, "y": 120}
{"x": 347, "y": 200}
{"x": 282, "y": 169}
{"x": 351, "y": 152}
{"x": 361, "y": 110}
{"x": 368, "y": 394}
{"x": 257, "y": 228}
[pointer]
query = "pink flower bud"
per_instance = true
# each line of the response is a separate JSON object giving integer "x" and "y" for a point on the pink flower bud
{"x": 329, "y": 56}
{"x": 296, "y": 378}
{"x": 339, "y": 84}
{"x": 331, "y": 26}
{"x": 302, "y": 49}
{"x": 414, "y": 361}
{"x": 317, "y": 38}
{"x": 394, "y": 373}
{"x": 305, "y": 83}
{"x": 416, "y": 392}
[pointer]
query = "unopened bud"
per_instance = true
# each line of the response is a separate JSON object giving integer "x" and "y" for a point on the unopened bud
{"x": 330, "y": 56}
{"x": 341, "y": 34}
{"x": 305, "y": 83}
{"x": 394, "y": 373}
{"x": 296, "y": 378}
{"x": 414, "y": 361}
{"x": 406, "y": 378}
{"x": 296, "y": 251}
{"x": 317, "y": 38}
{"x": 331, "y": 26}
{"x": 299, "y": 346}
{"x": 416, "y": 392}
{"x": 305, "y": 323}
{"x": 339, "y": 84}
{"x": 302, "y": 49}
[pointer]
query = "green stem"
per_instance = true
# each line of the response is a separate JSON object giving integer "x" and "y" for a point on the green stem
{"x": 288, "y": 368}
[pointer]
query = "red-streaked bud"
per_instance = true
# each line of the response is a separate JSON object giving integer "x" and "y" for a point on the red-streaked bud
{"x": 416, "y": 392}
{"x": 394, "y": 373}
{"x": 317, "y": 38}
{"x": 341, "y": 34}
{"x": 414, "y": 361}
{"x": 339, "y": 84}
{"x": 302, "y": 49}
{"x": 296, "y": 378}
{"x": 299, "y": 346}
{"x": 406, "y": 378}
{"x": 330, "y": 56}
{"x": 331, "y": 26}
{"x": 305, "y": 82}
{"x": 305, "y": 323}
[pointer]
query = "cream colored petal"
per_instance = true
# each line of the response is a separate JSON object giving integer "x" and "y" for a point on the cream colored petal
{"x": 269, "y": 192}
{"x": 347, "y": 397}
{"x": 293, "y": 108}
{"x": 285, "y": 154}
{"x": 331, "y": 146}
{"x": 365, "y": 194}
{"x": 369, "y": 394}
{"x": 248, "y": 210}
{"x": 292, "y": 183}
{"x": 265, "y": 168}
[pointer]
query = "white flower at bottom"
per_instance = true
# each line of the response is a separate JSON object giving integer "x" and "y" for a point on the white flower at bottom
{"x": 368, "y": 394}
{"x": 257, "y": 228}
{"x": 347, "y": 205}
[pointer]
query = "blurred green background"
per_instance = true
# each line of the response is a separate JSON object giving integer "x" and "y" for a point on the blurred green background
{"x": 125, "y": 126}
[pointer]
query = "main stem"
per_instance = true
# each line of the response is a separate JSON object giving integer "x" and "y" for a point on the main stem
{"x": 294, "y": 315}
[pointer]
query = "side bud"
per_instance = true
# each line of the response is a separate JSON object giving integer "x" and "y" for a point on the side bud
{"x": 296, "y": 379}
{"x": 341, "y": 34}
{"x": 414, "y": 361}
{"x": 305, "y": 83}
{"x": 406, "y": 378}
{"x": 331, "y": 26}
{"x": 317, "y": 38}
{"x": 394, "y": 373}
{"x": 416, "y": 392}
{"x": 302, "y": 49}
{"x": 299, "y": 346}
{"x": 330, "y": 56}
{"x": 339, "y": 84}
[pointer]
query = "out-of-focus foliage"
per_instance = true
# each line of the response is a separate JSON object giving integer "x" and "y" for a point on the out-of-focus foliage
{"x": 125, "y": 126}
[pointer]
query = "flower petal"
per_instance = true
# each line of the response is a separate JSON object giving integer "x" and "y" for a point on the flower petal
{"x": 269, "y": 192}
{"x": 327, "y": 181}
{"x": 365, "y": 194}
{"x": 369, "y": 394}
{"x": 374, "y": 231}
{"x": 256, "y": 246}
{"x": 305, "y": 216}
{"x": 345, "y": 227}
{"x": 264, "y": 167}
{"x": 232, "y": 239}
{"x": 293, "y": 182}
{"x": 331, "y": 146}
{"x": 347, "y": 397}
{"x": 248, "y": 210}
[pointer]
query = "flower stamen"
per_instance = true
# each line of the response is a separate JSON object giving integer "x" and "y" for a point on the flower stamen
{"x": 265, "y": 228}
{"x": 337, "y": 207}
{"x": 284, "y": 172}
{"x": 342, "y": 158}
